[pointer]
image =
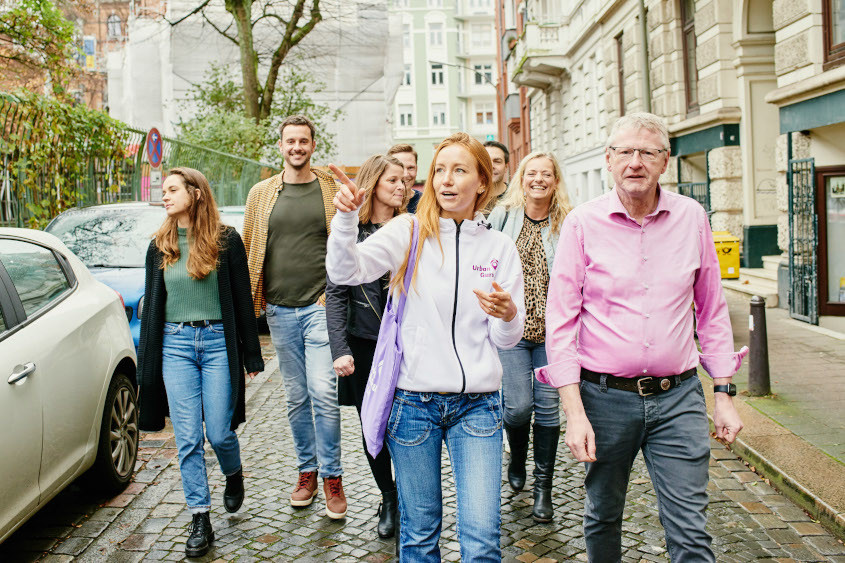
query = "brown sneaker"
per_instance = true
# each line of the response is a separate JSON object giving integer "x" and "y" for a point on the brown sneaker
{"x": 306, "y": 489}
{"x": 335, "y": 499}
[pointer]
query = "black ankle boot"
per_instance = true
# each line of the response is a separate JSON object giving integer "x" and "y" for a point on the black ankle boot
{"x": 518, "y": 440}
{"x": 201, "y": 536}
{"x": 545, "y": 452}
{"x": 233, "y": 496}
{"x": 387, "y": 514}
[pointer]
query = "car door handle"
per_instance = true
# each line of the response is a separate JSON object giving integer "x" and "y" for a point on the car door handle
{"x": 24, "y": 371}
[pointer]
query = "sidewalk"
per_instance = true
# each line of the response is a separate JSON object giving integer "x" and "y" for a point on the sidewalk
{"x": 796, "y": 436}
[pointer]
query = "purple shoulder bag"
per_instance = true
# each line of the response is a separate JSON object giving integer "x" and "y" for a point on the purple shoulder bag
{"x": 378, "y": 397}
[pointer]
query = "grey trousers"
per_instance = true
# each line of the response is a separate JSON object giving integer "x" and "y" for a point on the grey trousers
{"x": 672, "y": 431}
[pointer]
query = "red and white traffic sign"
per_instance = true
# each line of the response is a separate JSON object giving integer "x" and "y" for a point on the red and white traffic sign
{"x": 155, "y": 150}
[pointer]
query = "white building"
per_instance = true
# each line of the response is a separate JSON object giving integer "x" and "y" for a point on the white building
{"x": 449, "y": 57}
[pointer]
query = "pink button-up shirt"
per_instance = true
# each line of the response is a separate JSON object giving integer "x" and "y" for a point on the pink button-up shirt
{"x": 620, "y": 294}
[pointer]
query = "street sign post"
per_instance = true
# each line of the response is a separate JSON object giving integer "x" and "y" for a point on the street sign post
{"x": 155, "y": 150}
{"x": 155, "y": 153}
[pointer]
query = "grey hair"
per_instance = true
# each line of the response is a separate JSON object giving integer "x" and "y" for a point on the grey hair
{"x": 640, "y": 120}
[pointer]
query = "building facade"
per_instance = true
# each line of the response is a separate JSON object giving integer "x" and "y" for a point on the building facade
{"x": 731, "y": 78}
{"x": 449, "y": 73}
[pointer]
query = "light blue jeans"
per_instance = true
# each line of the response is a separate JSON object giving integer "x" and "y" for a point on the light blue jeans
{"x": 671, "y": 430}
{"x": 305, "y": 360}
{"x": 196, "y": 376}
{"x": 471, "y": 426}
{"x": 521, "y": 391}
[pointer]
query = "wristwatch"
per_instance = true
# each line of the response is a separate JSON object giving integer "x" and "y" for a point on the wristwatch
{"x": 730, "y": 389}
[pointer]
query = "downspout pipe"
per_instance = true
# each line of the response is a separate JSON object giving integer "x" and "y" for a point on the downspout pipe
{"x": 644, "y": 64}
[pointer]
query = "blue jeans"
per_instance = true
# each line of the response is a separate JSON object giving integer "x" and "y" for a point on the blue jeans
{"x": 196, "y": 376}
{"x": 305, "y": 360}
{"x": 471, "y": 425}
{"x": 521, "y": 391}
{"x": 672, "y": 431}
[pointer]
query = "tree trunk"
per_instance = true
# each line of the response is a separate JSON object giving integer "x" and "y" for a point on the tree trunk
{"x": 242, "y": 12}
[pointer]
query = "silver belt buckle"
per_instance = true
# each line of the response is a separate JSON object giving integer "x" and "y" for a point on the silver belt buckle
{"x": 640, "y": 390}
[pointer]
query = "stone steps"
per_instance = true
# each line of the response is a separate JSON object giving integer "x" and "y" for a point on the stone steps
{"x": 758, "y": 281}
{"x": 765, "y": 289}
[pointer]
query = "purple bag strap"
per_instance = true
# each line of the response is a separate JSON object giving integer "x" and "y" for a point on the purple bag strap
{"x": 409, "y": 271}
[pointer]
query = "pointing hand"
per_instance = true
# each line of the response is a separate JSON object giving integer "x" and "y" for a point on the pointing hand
{"x": 349, "y": 197}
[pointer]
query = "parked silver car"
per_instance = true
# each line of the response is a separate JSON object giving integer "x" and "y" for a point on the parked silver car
{"x": 69, "y": 405}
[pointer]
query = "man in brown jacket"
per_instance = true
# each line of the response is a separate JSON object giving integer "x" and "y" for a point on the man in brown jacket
{"x": 286, "y": 226}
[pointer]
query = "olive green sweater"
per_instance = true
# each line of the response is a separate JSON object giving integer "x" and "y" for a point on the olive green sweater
{"x": 189, "y": 299}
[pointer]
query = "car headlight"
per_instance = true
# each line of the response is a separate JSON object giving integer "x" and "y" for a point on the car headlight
{"x": 140, "y": 307}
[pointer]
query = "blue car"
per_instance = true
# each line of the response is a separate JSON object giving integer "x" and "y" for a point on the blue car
{"x": 112, "y": 241}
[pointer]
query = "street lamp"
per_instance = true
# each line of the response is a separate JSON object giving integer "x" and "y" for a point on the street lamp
{"x": 484, "y": 76}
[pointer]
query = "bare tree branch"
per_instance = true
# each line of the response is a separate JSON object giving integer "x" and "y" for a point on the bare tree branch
{"x": 221, "y": 31}
{"x": 189, "y": 14}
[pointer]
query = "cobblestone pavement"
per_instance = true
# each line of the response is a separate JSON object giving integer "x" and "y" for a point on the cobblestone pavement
{"x": 748, "y": 519}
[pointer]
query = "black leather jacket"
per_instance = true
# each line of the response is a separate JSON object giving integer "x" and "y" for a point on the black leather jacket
{"x": 356, "y": 309}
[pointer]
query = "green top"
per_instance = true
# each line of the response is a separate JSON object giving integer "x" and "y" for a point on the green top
{"x": 189, "y": 299}
{"x": 295, "y": 260}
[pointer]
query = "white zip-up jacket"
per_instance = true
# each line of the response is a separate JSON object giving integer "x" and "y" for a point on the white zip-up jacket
{"x": 449, "y": 343}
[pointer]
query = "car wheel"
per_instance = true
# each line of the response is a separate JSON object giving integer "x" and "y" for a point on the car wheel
{"x": 118, "y": 446}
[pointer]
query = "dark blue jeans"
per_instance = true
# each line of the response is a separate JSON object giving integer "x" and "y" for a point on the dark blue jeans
{"x": 471, "y": 426}
{"x": 672, "y": 431}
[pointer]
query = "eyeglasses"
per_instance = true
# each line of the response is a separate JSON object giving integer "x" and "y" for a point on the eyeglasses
{"x": 647, "y": 155}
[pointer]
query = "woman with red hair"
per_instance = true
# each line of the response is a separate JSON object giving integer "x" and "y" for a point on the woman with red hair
{"x": 465, "y": 302}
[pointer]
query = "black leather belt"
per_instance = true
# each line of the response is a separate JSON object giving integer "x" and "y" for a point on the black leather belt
{"x": 643, "y": 386}
{"x": 201, "y": 324}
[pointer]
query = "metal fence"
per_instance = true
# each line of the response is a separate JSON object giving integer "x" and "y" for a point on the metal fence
{"x": 699, "y": 191}
{"x": 126, "y": 179}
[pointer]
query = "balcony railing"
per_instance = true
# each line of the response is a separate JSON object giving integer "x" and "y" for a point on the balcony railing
{"x": 538, "y": 55}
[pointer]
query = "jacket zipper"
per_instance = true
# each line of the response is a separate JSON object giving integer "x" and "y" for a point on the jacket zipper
{"x": 455, "y": 305}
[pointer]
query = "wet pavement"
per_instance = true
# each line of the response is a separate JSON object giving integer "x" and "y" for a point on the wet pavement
{"x": 748, "y": 519}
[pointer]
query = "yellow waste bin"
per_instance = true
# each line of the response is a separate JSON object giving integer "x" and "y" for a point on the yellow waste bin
{"x": 727, "y": 249}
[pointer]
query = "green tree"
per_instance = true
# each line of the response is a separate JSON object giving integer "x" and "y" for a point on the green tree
{"x": 35, "y": 37}
{"x": 291, "y": 25}
{"x": 220, "y": 123}
{"x": 54, "y": 147}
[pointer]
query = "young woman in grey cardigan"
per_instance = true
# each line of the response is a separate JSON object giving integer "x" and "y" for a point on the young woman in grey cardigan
{"x": 531, "y": 214}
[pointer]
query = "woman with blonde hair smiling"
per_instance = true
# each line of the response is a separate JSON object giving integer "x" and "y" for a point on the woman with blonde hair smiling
{"x": 353, "y": 316}
{"x": 198, "y": 333}
{"x": 463, "y": 303}
{"x": 531, "y": 214}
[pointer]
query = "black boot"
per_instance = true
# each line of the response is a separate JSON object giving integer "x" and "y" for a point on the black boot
{"x": 387, "y": 514}
{"x": 233, "y": 496}
{"x": 545, "y": 452}
{"x": 518, "y": 440}
{"x": 201, "y": 536}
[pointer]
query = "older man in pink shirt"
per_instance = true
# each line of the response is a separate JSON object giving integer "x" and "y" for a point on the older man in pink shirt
{"x": 620, "y": 337}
